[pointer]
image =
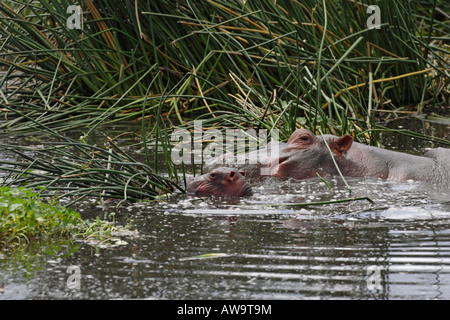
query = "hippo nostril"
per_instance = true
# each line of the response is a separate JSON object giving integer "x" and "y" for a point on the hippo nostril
{"x": 283, "y": 159}
{"x": 231, "y": 176}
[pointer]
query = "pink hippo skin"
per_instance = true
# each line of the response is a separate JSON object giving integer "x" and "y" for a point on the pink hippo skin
{"x": 222, "y": 181}
{"x": 305, "y": 154}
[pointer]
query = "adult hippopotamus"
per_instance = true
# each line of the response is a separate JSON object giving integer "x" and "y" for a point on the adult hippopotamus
{"x": 222, "y": 181}
{"x": 306, "y": 155}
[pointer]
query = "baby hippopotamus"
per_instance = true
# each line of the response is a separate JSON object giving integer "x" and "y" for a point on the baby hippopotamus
{"x": 222, "y": 181}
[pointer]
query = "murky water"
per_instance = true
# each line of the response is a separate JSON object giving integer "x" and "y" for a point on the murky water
{"x": 191, "y": 248}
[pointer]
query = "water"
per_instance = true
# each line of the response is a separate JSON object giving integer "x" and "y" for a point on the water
{"x": 190, "y": 248}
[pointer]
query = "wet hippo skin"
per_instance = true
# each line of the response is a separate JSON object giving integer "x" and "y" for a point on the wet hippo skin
{"x": 306, "y": 155}
{"x": 222, "y": 181}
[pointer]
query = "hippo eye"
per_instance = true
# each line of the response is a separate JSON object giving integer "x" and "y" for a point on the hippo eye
{"x": 213, "y": 175}
{"x": 305, "y": 138}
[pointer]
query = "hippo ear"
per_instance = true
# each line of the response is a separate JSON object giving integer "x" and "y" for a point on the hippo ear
{"x": 343, "y": 143}
{"x": 242, "y": 173}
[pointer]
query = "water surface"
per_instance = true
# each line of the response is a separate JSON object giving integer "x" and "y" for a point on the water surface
{"x": 212, "y": 248}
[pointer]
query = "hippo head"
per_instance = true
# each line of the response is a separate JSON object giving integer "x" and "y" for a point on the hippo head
{"x": 305, "y": 155}
{"x": 222, "y": 181}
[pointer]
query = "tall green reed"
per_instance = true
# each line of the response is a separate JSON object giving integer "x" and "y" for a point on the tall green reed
{"x": 305, "y": 56}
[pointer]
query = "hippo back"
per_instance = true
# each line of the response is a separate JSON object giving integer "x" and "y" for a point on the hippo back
{"x": 441, "y": 156}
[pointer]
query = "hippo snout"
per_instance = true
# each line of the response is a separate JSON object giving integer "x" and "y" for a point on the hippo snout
{"x": 226, "y": 182}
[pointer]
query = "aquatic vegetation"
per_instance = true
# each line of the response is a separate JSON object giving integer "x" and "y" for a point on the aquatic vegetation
{"x": 76, "y": 170}
{"x": 25, "y": 218}
{"x": 263, "y": 63}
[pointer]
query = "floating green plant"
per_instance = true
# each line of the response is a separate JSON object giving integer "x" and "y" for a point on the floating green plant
{"x": 25, "y": 218}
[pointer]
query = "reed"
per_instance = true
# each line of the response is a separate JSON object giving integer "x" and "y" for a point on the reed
{"x": 293, "y": 61}
{"x": 243, "y": 64}
{"x": 75, "y": 170}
